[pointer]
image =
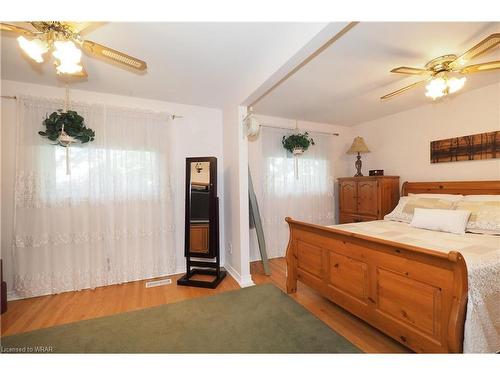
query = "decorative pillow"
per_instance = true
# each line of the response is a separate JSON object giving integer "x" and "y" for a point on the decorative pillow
{"x": 446, "y": 197}
{"x": 452, "y": 221}
{"x": 406, "y": 206}
{"x": 482, "y": 198}
{"x": 484, "y": 218}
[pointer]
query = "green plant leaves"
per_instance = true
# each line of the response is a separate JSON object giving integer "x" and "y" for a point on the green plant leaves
{"x": 299, "y": 140}
{"x": 73, "y": 123}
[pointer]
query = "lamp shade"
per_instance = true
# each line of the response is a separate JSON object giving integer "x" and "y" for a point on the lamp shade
{"x": 358, "y": 145}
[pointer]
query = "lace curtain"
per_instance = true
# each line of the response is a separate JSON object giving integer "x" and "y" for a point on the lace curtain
{"x": 110, "y": 220}
{"x": 307, "y": 195}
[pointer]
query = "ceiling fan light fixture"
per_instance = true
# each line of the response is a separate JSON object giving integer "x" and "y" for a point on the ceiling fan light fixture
{"x": 441, "y": 86}
{"x": 68, "y": 57}
{"x": 455, "y": 84}
{"x": 34, "y": 48}
{"x": 436, "y": 88}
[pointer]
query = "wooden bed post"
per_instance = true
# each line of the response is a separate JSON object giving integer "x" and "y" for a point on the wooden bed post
{"x": 456, "y": 322}
{"x": 291, "y": 263}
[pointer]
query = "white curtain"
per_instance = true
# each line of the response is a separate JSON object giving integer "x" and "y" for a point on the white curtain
{"x": 110, "y": 220}
{"x": 306, "y": 195}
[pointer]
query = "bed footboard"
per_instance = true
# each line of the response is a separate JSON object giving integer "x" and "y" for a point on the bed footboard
{"x": 417, "y": 296}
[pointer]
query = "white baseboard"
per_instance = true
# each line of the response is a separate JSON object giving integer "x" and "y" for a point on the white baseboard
{"x": 244, "y": 282}
{"x": 12, "y": 296}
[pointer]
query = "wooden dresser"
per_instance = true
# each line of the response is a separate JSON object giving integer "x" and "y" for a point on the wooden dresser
{"x": 367, "y": 198}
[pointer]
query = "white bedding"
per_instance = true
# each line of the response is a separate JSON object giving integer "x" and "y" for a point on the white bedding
{"x": 482, "y": 256}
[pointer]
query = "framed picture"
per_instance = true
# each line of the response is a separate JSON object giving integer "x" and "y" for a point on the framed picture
{"x": 470, "y": 147}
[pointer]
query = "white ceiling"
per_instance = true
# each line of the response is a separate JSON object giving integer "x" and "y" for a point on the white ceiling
{"x": 208, "y": 64}
{"x": 343, "y": 84}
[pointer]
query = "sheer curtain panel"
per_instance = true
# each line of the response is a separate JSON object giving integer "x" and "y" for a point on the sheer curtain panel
{"x": 307, "y": 195}
{"x": 110, "y": 220}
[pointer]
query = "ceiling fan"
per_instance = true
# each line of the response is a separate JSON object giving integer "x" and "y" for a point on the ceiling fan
{"x": 66, "y": 42}
{"x": 444, "y": 74}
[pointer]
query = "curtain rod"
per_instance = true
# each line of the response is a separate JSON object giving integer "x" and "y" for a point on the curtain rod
{"x": 172, "y": 116}
{"x": 309, "y": 131}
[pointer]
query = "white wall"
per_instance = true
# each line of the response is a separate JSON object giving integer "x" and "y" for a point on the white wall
{"x": 400, "y": 143}
{"x": 199, "y": 133}
{"x": 338, "y": 158}
{"x": 236, "y": 188}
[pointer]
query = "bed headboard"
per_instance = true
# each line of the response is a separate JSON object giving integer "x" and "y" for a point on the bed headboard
{"x": 452, "y": 187}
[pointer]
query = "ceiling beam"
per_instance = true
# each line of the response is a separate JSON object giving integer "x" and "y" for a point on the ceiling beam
{"x": 304, "y": 62}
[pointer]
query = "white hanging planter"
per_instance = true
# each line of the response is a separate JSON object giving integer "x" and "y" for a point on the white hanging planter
{"x": 65, "y": 140}
{"x": 81, "y": 132}
{"x": 297, "y": 144}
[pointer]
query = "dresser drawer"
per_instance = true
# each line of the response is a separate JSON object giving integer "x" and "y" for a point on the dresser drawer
{"x": 350, "y": 218}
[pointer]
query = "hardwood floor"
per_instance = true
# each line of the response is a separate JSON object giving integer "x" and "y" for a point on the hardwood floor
{"x": 47, "y": 311}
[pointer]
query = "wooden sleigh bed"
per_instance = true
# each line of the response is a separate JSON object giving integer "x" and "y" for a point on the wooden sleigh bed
{"x": 415, "y": 295}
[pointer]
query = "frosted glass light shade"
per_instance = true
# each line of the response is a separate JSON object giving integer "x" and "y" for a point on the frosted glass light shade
{"x": 33, "y": 48}
{"x": 68, "y": 56}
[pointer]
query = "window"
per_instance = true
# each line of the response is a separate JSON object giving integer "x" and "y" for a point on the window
{"x": 313, "y": 174}
{"x": 98, "y": 174}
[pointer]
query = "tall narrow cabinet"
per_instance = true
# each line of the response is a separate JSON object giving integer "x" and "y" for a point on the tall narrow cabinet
{"x": 367, "y": 198}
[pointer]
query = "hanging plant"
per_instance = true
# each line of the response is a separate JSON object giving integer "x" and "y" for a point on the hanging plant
{"x": 297, "y": 143}
{"x": 66, "y": 128}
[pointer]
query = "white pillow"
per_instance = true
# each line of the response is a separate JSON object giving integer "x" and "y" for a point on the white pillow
{"x": 482, "y": 198}
{"x": 446, "y": 197}
{"x": 452, "y": 221}
{"x": 404, "y": 210}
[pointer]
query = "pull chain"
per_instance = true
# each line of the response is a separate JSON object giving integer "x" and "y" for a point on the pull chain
{"x": 296, "y": 156}
{"x": 66, "y": 98}
{"x": 63, "y": 133}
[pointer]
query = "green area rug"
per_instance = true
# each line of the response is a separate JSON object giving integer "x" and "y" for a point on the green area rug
{"x": 259, "y": 319}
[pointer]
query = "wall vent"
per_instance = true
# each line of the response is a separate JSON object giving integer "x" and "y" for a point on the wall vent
{"x": 151, "y": 284}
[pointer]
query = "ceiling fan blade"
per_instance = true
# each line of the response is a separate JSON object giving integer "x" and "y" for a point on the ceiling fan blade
{"x": 40, "y": 26}
{"x": 406, "y": 88}
{"x": 99, "y": 49}
{"x": 408, "y": 70}
{"x": 483, "y": 46}
{"x": 491, "y": 65}
{"x": 15, "y": 29}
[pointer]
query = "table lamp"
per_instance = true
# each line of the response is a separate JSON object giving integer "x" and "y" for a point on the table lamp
{"x": 358, "y": 146}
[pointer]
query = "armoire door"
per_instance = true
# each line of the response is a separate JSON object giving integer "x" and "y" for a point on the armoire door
{"x": 367, "y": 198}
{"x": 348, "y": 197}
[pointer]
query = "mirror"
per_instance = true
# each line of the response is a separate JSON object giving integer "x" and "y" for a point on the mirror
{"x": 201, "y": 227}
{"x": 199, "y": 231}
